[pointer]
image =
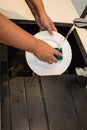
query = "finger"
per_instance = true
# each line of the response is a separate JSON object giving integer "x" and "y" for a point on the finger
{"x": 42, "y": 29}
{"x": 52, "y": 28}
{"x": 57, "y": 53}
{"x": 52, "y": 59}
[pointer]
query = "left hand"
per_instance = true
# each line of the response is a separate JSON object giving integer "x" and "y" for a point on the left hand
{"x": 45, "y": 23}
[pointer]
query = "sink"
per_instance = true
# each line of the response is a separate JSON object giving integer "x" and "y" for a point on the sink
{"x": 31, "y": 27}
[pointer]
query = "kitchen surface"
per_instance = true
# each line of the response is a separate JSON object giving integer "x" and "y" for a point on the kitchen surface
{"x": 58, "y": 11}
{"x": 33, "y": 102}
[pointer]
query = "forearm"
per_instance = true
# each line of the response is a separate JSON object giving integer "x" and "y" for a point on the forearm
{"x": 37, "y": 7}
{"x": 13, "y": 35}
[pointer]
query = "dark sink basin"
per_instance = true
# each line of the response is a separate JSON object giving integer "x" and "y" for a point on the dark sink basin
{"x": 78, "y": 59}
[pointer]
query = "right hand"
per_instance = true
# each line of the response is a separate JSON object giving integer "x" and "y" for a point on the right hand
{"x": 45, "y": 52}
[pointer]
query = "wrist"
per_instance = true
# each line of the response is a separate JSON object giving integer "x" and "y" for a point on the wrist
{"x": 33, "y": 46}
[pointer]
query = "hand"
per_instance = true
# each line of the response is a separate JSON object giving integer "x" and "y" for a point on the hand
{"x": 45, "y": 23}
{"x": 45, "y": 52}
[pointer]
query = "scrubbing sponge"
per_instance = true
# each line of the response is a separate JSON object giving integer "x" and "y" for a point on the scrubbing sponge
{"x": 59, "y": 58}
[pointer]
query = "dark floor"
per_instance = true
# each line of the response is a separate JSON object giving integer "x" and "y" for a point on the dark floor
{"x": 43, "y": 103}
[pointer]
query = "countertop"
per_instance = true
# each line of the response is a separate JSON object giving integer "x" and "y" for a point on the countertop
{"x": 58, "y": 12}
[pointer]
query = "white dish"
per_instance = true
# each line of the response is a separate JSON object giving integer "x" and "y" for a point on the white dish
{"x": 43, "y": 68}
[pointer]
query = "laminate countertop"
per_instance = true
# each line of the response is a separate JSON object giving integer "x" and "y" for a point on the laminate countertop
{"x": 58, "y": 12}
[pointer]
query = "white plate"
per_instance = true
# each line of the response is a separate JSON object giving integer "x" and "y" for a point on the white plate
{"x": 43, "y": 68}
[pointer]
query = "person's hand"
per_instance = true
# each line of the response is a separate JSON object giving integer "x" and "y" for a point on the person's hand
{"x": 45, "y": 52}
{"x": 45, "y": 23}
